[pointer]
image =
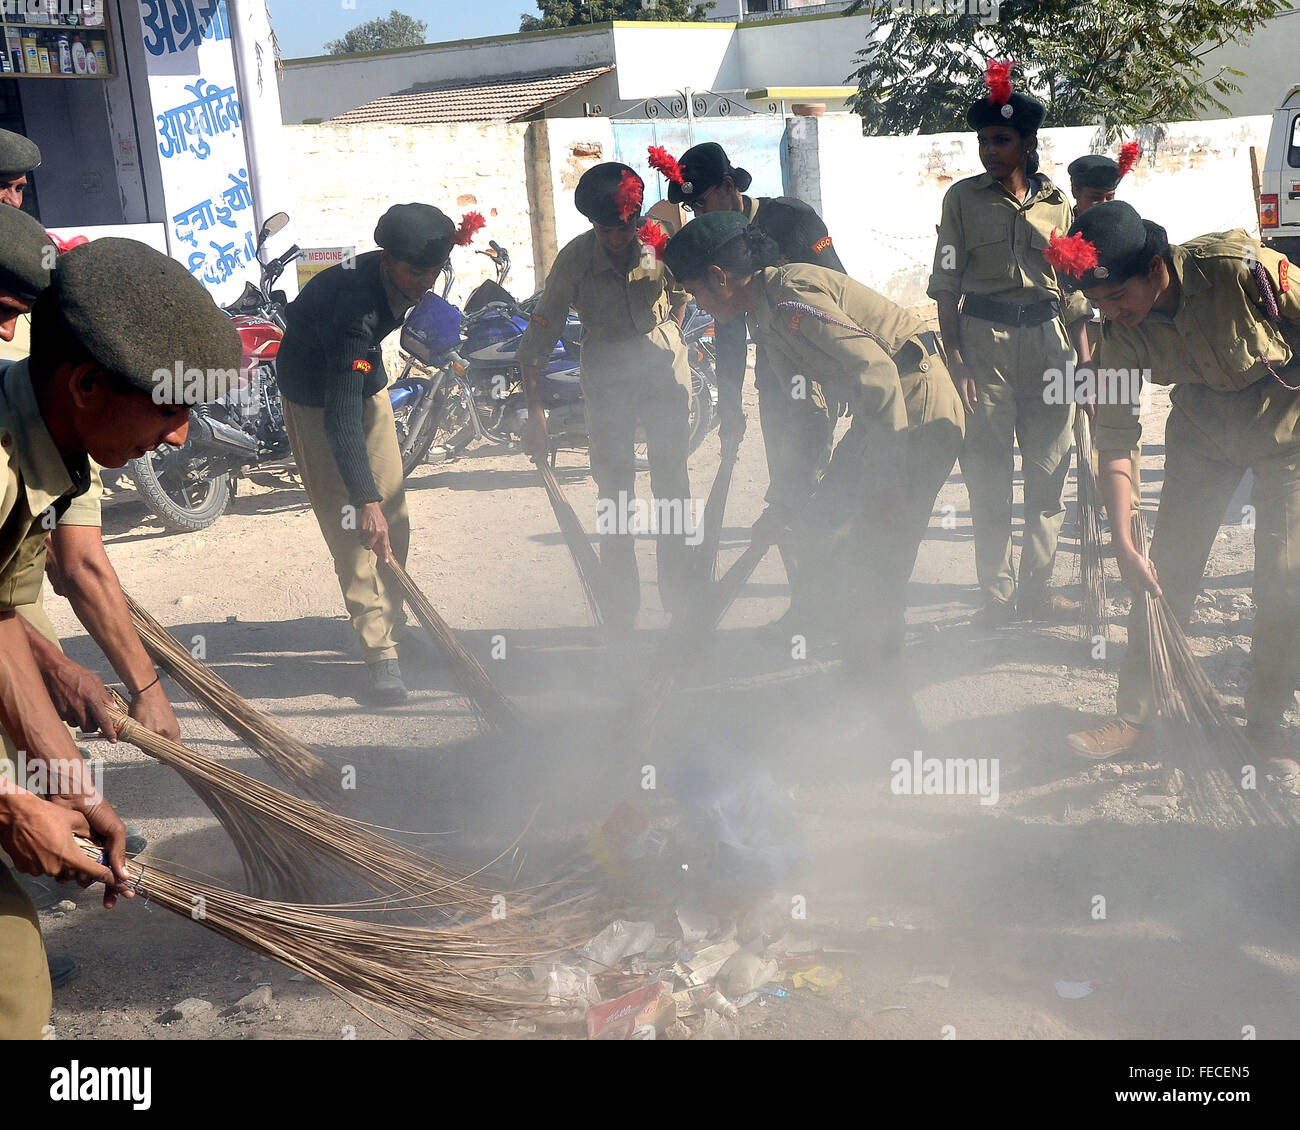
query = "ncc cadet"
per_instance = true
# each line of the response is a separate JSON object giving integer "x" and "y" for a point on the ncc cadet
{"x": 798, "y": 424}
{"x": 1005, "y": 322}
{"x": 76, "y": 553}
{"x": 89, "y": 389}
{"x": 18, "y": 157}
{"x": 1094, "y": 179}
{"x": 634, "y": 371}
{"x": 340, "y": 421}
{"x": 870, "y": 511}
{"x": 1218, "y": 318}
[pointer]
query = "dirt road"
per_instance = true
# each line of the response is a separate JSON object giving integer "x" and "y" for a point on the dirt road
{"x": 947, "y": 917}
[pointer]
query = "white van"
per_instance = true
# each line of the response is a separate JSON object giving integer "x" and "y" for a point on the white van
{"x": 1279, "y": 194}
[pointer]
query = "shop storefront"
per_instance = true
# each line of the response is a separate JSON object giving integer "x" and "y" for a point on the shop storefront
{"x": 156, "y": 119}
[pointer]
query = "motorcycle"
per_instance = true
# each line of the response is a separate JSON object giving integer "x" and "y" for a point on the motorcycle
{"x": 189, "y": 487}
{"x": 476, "y": 391}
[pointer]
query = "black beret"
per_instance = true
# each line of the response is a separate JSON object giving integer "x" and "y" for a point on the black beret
{"x": 604, "y": 197}
{"x": 1020, "y": 112}
{"x": 144, "y": 317}
{"x": 704, "y": 166}
{"x": 418, "y": 234}
{"x": 1120, "y": 237}
{"x": 26, "y": 254}
{"x": 691, "y": 250}
{"x": 1095, "y": 170}
{"x": 18, "y": 155}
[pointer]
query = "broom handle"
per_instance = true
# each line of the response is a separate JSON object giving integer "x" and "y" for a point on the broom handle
{"x": 715, "y": 510}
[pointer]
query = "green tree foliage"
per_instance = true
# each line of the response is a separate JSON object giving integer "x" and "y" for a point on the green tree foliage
{"x": 1117, "y": 63}
{"x": 396, "y": 30}
{"x": 574, "y": 13}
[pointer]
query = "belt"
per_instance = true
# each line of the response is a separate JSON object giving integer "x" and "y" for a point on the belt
{"x": 1010, "y": 313}
{"x": 915, "y": 352}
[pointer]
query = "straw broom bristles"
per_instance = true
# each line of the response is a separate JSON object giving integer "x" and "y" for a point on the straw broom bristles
{"x": 1214, "y": 747}
{"x": 291, "y": 846}
{"x": 1092, "y": 561}
{"x": 585, "y": 561}
{"x": 491, "y": 708}
{"x": 293, "y": 760}
{"x": 434, "y": 980}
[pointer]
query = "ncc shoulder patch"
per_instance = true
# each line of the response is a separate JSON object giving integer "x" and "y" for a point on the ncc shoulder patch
{"x": 361, "y": 365}
{"x": 796, "y": 320}
{"x": 1283, "y": 269}
{"x": 822, "y": 244}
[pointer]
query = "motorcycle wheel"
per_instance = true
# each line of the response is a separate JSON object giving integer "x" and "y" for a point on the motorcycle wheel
{"x": 181, "y": 507}
{"x": 699, "y": 420}
{"x": 449, "y": 425}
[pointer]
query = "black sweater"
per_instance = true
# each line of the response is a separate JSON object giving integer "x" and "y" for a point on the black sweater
{"x": 801, "y": 235}
{"x": 330, "y": 358}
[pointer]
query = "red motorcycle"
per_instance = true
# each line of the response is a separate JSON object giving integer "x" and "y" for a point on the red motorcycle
{"x": 189, "y": 487}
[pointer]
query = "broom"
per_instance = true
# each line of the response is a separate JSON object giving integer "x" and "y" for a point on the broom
{"x": 1092, "y": 562}
{"x": 688, "y": 635}
{"x": 264, "y": 736}
{"x": 1215, "y": 747}
{"x": 590, "y": 576}
{"x": 715, "y": 510}
{"x": 434, "y": 980}
{"x": 284, "y": 842}
{"x": 492, "y": 710}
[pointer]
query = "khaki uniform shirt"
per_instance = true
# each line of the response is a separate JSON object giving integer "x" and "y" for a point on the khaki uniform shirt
{"x": 1215, "y": 337}
{"x": 612, "y": 301}
{"x": 991, "y": 244}
{"x": 36, "y": 483}
{"x": 86, "y": 509}
{"x": 858, "y": 365}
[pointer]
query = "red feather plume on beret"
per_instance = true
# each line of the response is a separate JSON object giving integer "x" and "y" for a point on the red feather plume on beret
{"x": 664, "y": 162}
{"x": 629, "y": 196}
{"x": 1129, "y": 153}
{"x": 997, "y": 77}
{"x": 652, "y": 234}
{"x": 1072, "y": 254}
{"x": 471, "y": 223}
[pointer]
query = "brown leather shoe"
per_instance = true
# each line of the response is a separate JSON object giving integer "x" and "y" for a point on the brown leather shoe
{"x": 1108, "y": 739}
{"x": 1049, "y": 606}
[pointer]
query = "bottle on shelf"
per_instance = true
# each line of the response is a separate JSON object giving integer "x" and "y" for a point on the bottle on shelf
{"x": 64, "y": 47}
{"x": 79, "y": 56}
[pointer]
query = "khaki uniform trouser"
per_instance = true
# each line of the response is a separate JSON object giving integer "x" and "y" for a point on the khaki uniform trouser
{"x": 1211, "y": 439}
{"x": 24, "y": 971}
{"x": 625, "y": 382}
{"x": 798, "y": 436}
{"x": 1008, "y": 364}
{"x": 375, "y": 609}
{"x": 870, "y": 566}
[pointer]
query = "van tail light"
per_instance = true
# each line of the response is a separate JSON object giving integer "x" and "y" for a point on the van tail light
{"x": 1268, "y": 210}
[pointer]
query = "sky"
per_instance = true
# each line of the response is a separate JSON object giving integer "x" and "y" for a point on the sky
{"x": 304, "y": 26}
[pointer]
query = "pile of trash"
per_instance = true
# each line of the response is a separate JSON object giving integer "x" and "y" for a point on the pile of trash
{"x": 631, "y": 982}
{"x": 692, "y": 972}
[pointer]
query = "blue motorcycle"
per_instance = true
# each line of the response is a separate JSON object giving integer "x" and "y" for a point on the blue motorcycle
{"x": 461, "y": 380}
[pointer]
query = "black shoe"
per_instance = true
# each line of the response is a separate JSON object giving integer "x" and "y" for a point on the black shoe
{"x": 384, "y": 683}
{"x": 62, "y": 969}
{"x": 135, "y": 841}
